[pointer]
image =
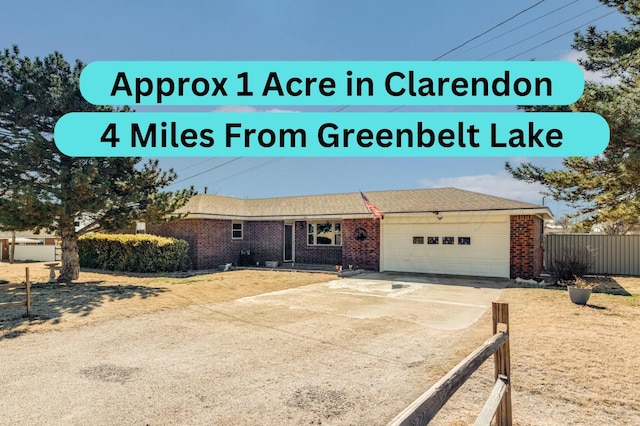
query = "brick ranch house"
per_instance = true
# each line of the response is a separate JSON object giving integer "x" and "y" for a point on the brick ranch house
{"x": 442, "y": 231}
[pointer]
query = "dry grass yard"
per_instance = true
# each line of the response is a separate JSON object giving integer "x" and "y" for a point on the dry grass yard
{"x": 571, "y": 364}
{"x": 100, "y": 296}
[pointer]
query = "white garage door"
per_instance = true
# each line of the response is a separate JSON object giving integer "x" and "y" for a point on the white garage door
{"x": 464, "y": 247}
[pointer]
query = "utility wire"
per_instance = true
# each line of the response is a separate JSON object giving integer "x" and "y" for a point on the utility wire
{"x": 489, "y": 30}
{"x": 523, "y": 25}
{"x": 563, "y": 34}
{"x": 539, "y": 33}
{"x": 208, "y": 170}
{"x": 194, "y": 164}
{"x": 548, "y": 41}
{"x": 250, "y": 169}
{"x": 338, "y": 109}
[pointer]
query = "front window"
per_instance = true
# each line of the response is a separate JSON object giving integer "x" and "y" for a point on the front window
{"x": 324, "y": 233}
{"x": 236, "y": 230}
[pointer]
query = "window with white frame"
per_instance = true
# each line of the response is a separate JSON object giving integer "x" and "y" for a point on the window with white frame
{"x": 236, "y": 230}
{"x": 326, "y": 233}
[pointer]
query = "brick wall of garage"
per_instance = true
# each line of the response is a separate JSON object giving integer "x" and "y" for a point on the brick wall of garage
{"x": 526, "y": 255}
{"x": 361, "y": 243}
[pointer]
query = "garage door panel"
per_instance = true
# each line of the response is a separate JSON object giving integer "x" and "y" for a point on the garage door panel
{"x": 487, "y": 255}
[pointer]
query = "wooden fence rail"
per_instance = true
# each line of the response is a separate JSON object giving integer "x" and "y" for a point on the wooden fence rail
{"x": 27, "y": 288}
{"x": 423, "y": 409}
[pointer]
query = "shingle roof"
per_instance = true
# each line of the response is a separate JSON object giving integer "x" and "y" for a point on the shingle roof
{"x": 404, "y": 201}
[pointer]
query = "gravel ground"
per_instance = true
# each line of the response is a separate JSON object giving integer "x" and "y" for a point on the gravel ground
{"x": 253, "y": 347}
{"x": 298, "y": 356}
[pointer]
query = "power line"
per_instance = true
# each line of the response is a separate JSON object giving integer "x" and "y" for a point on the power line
{"x": 194, "y": 164}
{"x": 489, "y": 30}
{"x": 540, "y": 32}
{"x": 561, "y": 35}
{"x": 525, "y": 24}
{"x": 339, "y": 109}
{"x": 208, "y": 170}
{"x": 250, "y": 169}
{"x": 547, "y": 41}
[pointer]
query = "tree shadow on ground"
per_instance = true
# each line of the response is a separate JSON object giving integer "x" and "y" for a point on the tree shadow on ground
{"x": 174, "y": 274}
{"x": 50, "y": 302}
{"x": 608, "y": 285}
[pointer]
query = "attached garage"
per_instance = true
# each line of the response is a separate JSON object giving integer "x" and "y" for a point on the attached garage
{"x": 459, "y": 244}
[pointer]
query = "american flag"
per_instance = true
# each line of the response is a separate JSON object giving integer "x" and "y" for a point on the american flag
{"x": 375, "y": 211}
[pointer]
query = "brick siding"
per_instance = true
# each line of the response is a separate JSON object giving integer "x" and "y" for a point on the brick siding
{"x": 210, "y": 242}
{"x": 183, "y": 229}
{"x": 526, "y": 246}
{"x": 265, "y": 240}
{"x": 319, "y": 255}
{"x": 358, "y": 251}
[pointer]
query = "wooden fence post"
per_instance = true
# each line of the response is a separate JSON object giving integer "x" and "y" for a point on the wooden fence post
{"x": 502, "y": 363}
{"x": 498, "y": 405}
{"x": 27, "y": 289}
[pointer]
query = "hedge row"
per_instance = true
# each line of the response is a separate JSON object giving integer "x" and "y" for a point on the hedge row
{"x": 133, "y": 253}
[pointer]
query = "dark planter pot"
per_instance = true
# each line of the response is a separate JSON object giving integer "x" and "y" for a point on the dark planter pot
{"x": 579, "y": 296}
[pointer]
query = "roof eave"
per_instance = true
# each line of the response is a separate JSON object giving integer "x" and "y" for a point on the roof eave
{"x": 542, "y": 212}
{"x": 279, "y": 217}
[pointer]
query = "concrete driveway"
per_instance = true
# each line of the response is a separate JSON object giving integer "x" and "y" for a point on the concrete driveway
{"x": 353, "y": 351}
{"x": 435, "y": 301}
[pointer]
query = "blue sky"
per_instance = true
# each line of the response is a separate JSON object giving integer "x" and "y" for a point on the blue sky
{"x": 312, "y": 30}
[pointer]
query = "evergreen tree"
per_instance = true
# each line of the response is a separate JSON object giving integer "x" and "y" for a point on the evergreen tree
{"x": 42, "y": 188}
{"x": 605, "y": 189}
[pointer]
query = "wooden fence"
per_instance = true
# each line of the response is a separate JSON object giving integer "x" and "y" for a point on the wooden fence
{"x": 423, "y": 409}
{"x": 610, "y": 254}
{"x": 27, "y": 287}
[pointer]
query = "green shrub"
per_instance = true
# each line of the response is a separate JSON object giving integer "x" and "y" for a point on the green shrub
{"x": 132, "y": 253}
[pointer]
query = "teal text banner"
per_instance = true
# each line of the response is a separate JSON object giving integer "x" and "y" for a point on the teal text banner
{"x": 331, "y": 83}
{"x": 200, "y": 134}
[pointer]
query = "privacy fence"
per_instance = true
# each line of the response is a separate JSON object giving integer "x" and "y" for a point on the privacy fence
{"x": 610, "y": 254}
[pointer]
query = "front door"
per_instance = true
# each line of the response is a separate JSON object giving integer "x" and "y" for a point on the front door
{"x": 288, "y": 242}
